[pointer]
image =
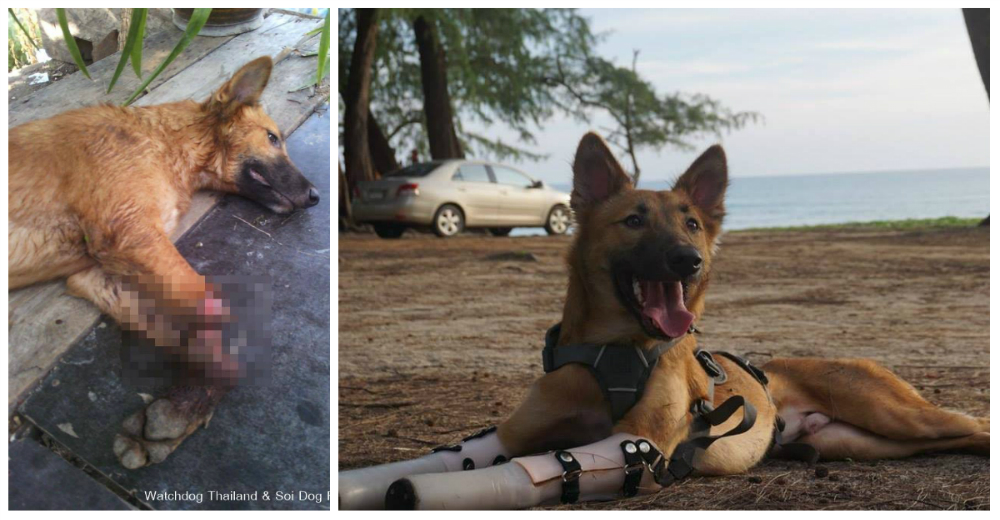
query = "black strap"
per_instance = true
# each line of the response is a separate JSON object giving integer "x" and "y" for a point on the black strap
{"x": 682, "y": 460}
{"x": 634, "y": 465}
{"x": 745, "y": 364}
{"x": 570, "y": 477}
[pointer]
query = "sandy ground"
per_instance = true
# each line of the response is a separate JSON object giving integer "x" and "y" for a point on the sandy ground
{"x": 437, "y": 341}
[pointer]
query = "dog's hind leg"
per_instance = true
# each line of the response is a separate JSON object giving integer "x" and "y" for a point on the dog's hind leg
{"x": 154, "y": 432}
{"x": 856, "y": 406}
{"x": 839, "y": 440}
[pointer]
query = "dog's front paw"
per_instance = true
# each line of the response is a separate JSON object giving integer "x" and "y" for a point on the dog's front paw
{"x": 151, "y": 434}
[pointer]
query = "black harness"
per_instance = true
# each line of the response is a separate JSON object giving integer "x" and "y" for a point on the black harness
{"x": 622, "y": 372}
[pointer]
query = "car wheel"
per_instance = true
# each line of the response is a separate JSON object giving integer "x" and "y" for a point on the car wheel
{"x": 448, "y": 221}
{"x": 558, "y": 221}
{"x": 389, "y": 230}
{"x": 500, "y": 231}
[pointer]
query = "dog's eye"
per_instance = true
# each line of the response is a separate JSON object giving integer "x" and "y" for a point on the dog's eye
{"x": 273, "y": 138}
{"x": 693, "y": 225}
{"x": 634, "y": 221}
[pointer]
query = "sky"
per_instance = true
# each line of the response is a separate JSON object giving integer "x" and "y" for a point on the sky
{"x": 840, "y": 90}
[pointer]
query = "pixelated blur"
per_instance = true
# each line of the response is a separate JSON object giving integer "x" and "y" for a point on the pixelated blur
{"x": 213, "y": 330}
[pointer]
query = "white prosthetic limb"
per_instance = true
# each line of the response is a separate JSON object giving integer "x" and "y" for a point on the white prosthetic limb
{"x": 365, "y": 488}
{"x": 535, "y": 480}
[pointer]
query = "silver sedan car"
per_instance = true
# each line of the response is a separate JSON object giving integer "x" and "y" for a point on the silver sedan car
{"x": 453, "y": 195}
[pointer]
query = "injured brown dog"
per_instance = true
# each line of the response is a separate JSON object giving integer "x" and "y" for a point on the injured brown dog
{"x": 629, "y": 404}
{"x": 100, "y": 212}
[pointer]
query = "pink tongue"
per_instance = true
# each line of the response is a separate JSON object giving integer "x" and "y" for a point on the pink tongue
{"x": 665, "y": 306}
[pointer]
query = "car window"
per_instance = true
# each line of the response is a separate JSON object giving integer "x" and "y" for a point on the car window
{"x": 472, "y": 173}
{"x": 416, "y": 170}
{"x": 511, "y": 177}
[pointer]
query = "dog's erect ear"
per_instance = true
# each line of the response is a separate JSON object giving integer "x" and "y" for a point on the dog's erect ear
{"x": 596, "y": 173}
{"x": 244, "y": 88}
{"x": 705, "y": 182}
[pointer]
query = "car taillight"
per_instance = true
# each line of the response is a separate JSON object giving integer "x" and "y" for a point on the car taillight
{"x": 407, "y": 189}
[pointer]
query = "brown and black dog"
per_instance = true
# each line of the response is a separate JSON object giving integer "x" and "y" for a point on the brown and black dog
{"x": 639, "y": 270}
{"x": 93, "y": 196}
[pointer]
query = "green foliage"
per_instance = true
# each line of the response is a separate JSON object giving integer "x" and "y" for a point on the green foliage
{"x": 136, "y": 49}
{"x": 922, "y": 223}
{"x": 323, "y": 66}
{"x": 496, "y": 60}
{"x": 642, "y": 117}
{"x": 133, "y": 46}
{"x": 197, "y": 21}
{"x": 23, "y": 30}
{"x": 74, "y": 50}
{"x": 517, "y": 68}
{"x": 21, "y": 39}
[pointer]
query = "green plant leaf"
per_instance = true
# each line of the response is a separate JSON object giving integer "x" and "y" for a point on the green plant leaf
{"x": 324, "y": 48}
{"x": 138, "y": 19}
{"x": 197, "y": 21}
{"x": 314, "y": 31}
{"x": 25, "y": 31}
{"x": 71, "y": 43}
{"x": 312, "y": 81}
{"x": 137, "y": 49}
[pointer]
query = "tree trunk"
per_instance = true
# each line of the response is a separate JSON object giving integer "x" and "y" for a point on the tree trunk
{"x": 357, "y": 157}
{"x": 977, "y": 21}
{"x": 383, "y": 155}
{"x": 344, "y": 201}
{"x": 441, "y": 133}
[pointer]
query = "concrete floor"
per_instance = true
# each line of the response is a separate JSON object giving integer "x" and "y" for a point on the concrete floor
{"x": 273, "y": 439}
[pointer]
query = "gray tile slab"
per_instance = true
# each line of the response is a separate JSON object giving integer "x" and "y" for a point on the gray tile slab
{"x": 41, "y": 480}
{"x": 264, "y": 440}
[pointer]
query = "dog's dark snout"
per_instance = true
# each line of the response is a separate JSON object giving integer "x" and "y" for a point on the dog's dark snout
{"x": 684, "y": 261}
{"x": 313, "y": 197}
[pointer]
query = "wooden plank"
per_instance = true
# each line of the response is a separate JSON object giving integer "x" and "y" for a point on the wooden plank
{"x": 44, "y": 322}
{"x": 76, "y": 91}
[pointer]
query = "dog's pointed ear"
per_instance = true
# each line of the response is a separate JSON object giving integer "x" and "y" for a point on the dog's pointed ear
{"x": 244, "y": 88}
{"x": 596, "y": 174}
{"x": 705, "y": 182}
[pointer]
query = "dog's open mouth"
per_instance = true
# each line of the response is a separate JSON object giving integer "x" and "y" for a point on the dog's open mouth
{"x": 659, "y": 305}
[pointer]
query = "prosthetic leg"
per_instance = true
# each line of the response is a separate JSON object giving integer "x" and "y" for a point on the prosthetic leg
{"x": 365, "y": 488}
{"x": 612, "y": 468}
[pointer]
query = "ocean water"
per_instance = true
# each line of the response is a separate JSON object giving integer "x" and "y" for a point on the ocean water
{"x": 801, "y": 200}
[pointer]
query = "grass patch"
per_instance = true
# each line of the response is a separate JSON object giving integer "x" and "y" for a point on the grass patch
{"x": 917, "y": 223}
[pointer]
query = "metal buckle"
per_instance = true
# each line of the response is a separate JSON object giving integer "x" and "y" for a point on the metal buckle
{"x": 710, "y": 366}
{"x": 702, "y": 407}
{"x": 571, "y": 475}
{"x": 631, "y": 468}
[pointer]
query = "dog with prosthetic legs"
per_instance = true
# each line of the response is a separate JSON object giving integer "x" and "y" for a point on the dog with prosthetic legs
{"x": 629, "y": 404}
